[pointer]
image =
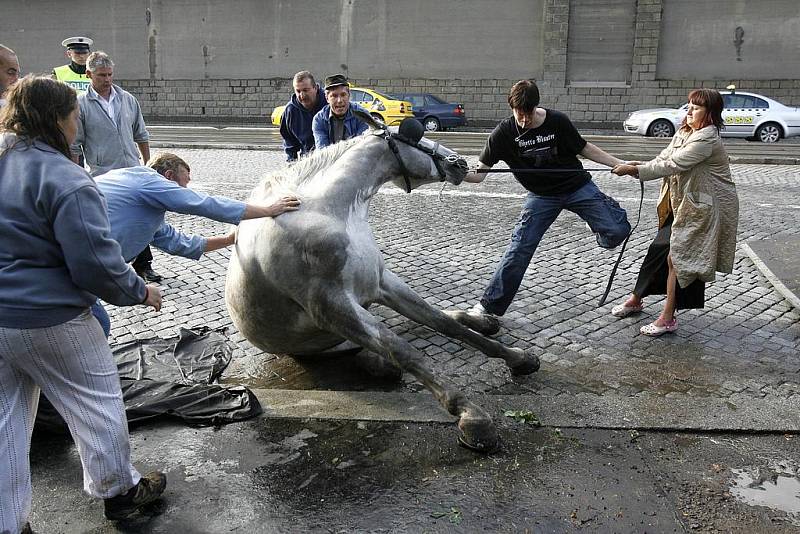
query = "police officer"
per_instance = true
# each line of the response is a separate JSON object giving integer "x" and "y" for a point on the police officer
{"x": 74, "y": 74}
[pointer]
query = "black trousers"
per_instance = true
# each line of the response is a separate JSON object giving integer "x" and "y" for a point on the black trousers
{"x": 653, "y": 274}
{"x": 144, "y": 260}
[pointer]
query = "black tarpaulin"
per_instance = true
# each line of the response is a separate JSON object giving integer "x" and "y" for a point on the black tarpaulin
{"x": 174, "y": 377}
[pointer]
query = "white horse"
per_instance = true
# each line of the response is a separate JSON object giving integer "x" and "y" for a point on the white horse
{"x": 302, "y": 283}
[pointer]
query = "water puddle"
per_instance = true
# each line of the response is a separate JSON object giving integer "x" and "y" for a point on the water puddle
{"x": 770, "y": 488}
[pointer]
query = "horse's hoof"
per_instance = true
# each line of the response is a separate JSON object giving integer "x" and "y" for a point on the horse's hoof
{"x": 529, "y": 365}
{"x": 478, "y": 434}
{"x": 480, "y": 447}
{"x": 485, "y": 324}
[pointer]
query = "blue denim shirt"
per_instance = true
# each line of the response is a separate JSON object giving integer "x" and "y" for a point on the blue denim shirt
{"x": 323, "y": 134}
{"x": 138, "y": 198}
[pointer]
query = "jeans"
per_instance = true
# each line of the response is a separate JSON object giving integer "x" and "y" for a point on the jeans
{"x": 604, "y": 215}
{"x": 102, "y": 317}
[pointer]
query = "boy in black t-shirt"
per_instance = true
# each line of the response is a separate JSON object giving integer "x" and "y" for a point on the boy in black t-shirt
{"x": 538, "y": 137}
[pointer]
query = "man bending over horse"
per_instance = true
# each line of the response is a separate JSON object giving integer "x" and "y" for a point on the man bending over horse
{"x": 307, "y": 100}
{"x": 138, "y": 198}
{"x": 536, "y": 137}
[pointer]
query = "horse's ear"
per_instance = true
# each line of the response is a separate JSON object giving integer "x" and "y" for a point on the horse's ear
{"x": 363, "y": 116}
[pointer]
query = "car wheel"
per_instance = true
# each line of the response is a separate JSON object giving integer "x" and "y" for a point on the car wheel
{"x": 378, "y": 118}
{"x": 769, "y": 133}
{"x": 432, "y": 124}
{"x": 661, "y": 128}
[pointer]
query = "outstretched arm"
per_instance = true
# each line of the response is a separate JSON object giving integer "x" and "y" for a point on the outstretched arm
{"x": 598, "y": 155}
{"x": 474, "y": 177}
{"x": 282, "y": 205}
{"x": 218, "y": 242}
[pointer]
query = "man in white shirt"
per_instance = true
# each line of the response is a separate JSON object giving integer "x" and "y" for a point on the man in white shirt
{"x": 112, "y": 133}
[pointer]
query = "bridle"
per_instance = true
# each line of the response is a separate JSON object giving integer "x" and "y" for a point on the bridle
{"x": 438, "y": 159}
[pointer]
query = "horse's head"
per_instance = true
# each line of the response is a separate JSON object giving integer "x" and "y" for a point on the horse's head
{"x": 420, "y": 160}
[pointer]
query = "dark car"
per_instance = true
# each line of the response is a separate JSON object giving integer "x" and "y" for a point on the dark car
{"x": 433, "y": 112}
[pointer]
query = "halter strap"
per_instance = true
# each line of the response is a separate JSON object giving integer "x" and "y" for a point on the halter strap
{"x": 403, "y": 168}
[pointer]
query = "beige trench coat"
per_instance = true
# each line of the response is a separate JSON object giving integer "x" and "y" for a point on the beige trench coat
{"x": 699, "y": 191}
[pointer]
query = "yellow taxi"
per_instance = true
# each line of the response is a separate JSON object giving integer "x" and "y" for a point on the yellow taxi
{"x": 383, "y": 108}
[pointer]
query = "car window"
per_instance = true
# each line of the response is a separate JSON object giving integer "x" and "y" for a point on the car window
{"x": 360, "y": 97}
{"x": 432, "y": 100}
{"x": 736, "y": 101}
{"x": 760, "y": 103}
{"x": 382, "y": 95}
{"x": 416, "y": 100}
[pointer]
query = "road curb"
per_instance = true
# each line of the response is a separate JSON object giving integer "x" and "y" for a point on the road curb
{"x": 779, "y": 286}
{"x": 739, "y": 413}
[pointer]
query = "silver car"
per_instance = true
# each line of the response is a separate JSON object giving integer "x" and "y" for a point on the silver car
{"x": 745, "y": 115}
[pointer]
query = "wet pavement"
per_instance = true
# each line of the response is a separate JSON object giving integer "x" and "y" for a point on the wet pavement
{"x": 638, "y": 435}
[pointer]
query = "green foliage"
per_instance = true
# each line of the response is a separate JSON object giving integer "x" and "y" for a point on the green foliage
{"x": 523, "y": 416}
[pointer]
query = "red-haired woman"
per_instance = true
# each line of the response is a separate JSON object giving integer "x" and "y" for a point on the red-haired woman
{"x": 698, "y": 212}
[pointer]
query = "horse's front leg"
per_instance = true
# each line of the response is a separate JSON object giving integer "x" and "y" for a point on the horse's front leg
{"x": 340, "y": 314}
{"x": 401, "y": 298}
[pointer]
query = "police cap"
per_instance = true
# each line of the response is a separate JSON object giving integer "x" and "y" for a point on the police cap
{"x": 77, "y": 43}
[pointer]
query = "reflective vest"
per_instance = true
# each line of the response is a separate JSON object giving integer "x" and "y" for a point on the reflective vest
{"x": 79, "y": 82}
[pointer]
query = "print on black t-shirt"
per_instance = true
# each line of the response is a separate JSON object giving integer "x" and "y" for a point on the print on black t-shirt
{"x": 553, "y": 145}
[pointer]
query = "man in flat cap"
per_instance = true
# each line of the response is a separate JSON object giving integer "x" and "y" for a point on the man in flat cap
{"x": 74, "y": 74}
{"x": 336, "y": 121}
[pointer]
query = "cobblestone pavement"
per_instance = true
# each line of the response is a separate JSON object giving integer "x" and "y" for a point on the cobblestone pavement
{"x": 745, "y": 342}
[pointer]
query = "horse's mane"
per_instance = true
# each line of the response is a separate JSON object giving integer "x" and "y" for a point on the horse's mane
{"x": 308, "y": 166}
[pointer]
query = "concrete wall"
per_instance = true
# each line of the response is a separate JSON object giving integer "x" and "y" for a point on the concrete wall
{"x": 35, "y": 29}
{"x": 232, "y": 60}
{"x": 723, "y": 39}
{"x": 256, "y": 39}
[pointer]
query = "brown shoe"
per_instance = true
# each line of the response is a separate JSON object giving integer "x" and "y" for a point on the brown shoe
{"x": 149, "y": 488}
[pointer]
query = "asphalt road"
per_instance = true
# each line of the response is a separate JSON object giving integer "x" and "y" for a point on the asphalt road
{"x": 467, "y": 143}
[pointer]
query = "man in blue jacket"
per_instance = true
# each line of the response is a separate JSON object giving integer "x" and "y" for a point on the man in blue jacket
{"x": 137, "y": 199}
{"x": 307, "y": 100}
{"x": 336, "y": 121}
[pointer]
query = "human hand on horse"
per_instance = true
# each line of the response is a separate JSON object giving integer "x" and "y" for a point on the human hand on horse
{"x": 282, "y": 205}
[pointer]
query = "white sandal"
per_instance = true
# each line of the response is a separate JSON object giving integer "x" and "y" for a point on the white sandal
{"x": 653, "y": 330}
{"x": 623, "y": 310}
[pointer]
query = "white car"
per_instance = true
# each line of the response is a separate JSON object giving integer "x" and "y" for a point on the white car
{"x": 745, "y": 115}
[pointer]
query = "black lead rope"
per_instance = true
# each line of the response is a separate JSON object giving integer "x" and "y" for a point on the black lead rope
{"x": 622, "y": 250}
{"x": 537, "y": 171}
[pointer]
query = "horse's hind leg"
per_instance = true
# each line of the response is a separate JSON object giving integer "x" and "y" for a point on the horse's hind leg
{"x": 341, "y": 315}
{"x": 401, "y": 298}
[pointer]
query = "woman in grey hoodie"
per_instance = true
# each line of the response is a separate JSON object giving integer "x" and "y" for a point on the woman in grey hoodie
{"x": 56, "y": 258}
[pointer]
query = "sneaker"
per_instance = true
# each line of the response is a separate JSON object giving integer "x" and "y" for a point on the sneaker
{"x": 149, "y": 488}
{"x": 149, "y": 275}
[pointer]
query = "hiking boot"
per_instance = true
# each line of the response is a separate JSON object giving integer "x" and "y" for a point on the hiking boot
{"x": 149, "y": 488}
{"x": 149, "y": 275}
